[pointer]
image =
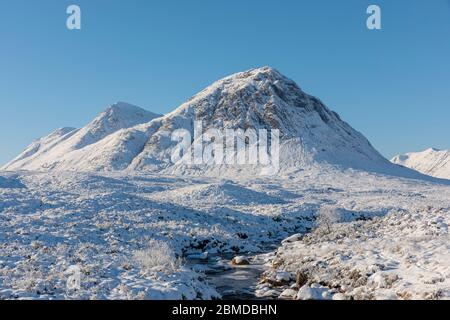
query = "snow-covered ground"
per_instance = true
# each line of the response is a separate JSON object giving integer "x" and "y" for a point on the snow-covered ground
{"x": 403, "y": 255}
{"x": 400, "y": 250}
{"x": 128, "y": 234}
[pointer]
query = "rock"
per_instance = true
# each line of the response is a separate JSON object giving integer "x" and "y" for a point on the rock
{"x": 240, "y": 261}
{"x": 295, "y": 286}
{"x": 339, "y": 296}
{"x": 283, "y": 277}
{"x": 301, "y": 279}
{"x": 277, "y": 263}
{"x": 263, "y": 286}
{"x": 385, "y": 294}
{"x": 202, "y": 268}
{"x": 306, "y": 293}
{"x": 288, "y": 294}
{"x": 278, "y": 278}
{"x": 377, "y": 280}
{"x": 267, "y": 293}
{"x": 373, "y": 268}
{"x": 198, "y": 256}
{"x": 293, "y": 238}
{"x": 314, "y": 292}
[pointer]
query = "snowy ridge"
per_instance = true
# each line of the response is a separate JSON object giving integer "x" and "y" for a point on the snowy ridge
{"x": 65, "y": 147}
{"x": 431, "y": 162}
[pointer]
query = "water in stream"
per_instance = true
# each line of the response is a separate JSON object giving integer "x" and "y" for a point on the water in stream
{"x": 231, "y": 281}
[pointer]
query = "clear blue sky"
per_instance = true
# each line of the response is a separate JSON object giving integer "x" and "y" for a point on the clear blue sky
{"x": 392, "y": 85}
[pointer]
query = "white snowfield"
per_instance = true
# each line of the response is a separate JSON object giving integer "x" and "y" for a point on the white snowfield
{"x": 432, "y": 162}
{"x": 105, "y": 224}
{"x": 102, "y": 213}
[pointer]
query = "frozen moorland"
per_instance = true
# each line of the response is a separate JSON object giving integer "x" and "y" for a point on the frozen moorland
{"x": 129, "y": 234}
{"x": 102, "y": 212}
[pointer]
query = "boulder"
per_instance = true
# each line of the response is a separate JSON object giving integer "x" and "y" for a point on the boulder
{"x": 288, "y": 294}
{"x": 240, "y": 261}
{"x": 293, "y": 238}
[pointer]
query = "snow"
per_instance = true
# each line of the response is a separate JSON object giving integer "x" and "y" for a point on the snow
{"x": 293, "y": 238}
{"x": 105, "y": 204}
{"x": 283, "y": 276}
{"x": 314, "y": 292}
{"x": 104, "y": 223}
{"x": 432, "y": 162}
{"x": 402, "y": 255}
{"x": 240, "y": 260}
{"x": 10, "y": 182}
{"x": 288, "y": 294}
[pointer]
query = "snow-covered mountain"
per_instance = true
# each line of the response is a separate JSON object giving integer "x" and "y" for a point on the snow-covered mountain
{"x": 63, "y": 148}
{"x": 262, "y": 99}
{"x": 125, "y": 137}
{"x": 431, "y": 162}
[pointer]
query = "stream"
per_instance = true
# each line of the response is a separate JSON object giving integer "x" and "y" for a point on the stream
{"x": 232, "y": 281}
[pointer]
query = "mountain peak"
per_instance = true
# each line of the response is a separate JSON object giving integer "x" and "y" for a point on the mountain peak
{"x": 263, "y": 98}
{"x": 264, "y": 74}
{"x": 122, "y": 115}
{"x": 260, "y": 98}
{"x": 124, "y": 106}
{"x": 266, "y": 70}
{"x": 124, "y": 110}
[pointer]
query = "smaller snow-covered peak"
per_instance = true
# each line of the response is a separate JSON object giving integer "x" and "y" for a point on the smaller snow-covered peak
{"x": 426, "y": 152}
{"x": 122, "y": 111}
{"x": 50, "y": 151}
{"x": 121, "y": 106}
{"x": 120, "y": 115}
{"x": 432, "y": 161}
